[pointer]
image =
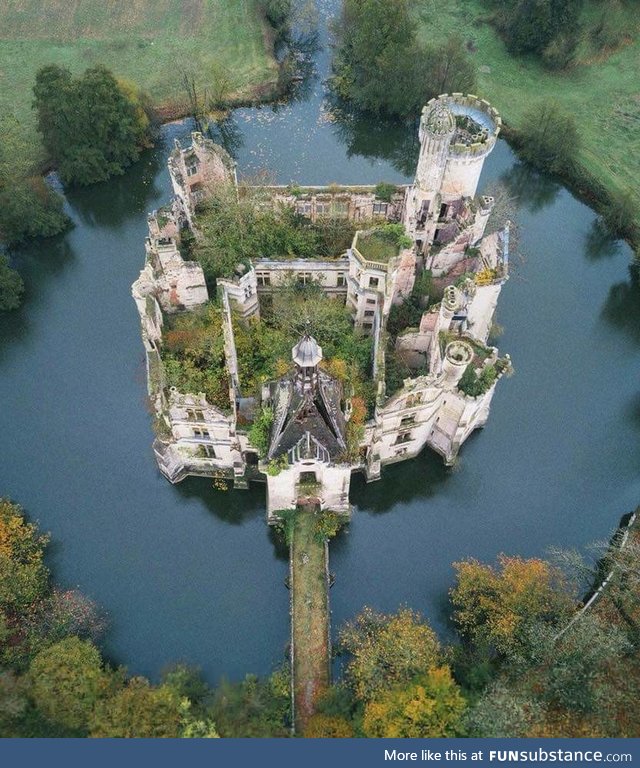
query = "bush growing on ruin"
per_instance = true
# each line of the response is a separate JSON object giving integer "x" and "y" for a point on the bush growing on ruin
{"x": 261, "y": 430}
{"x": 92, "y": 126}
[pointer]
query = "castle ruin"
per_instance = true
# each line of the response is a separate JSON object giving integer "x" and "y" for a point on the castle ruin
{"x": 435, "y": 407}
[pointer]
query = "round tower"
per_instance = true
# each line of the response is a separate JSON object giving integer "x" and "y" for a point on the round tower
{"x": 457, "y": 356}
{"x": 477, "y": 127}
{"x": 306, "y": 355}
{"x": 437, "y": 128}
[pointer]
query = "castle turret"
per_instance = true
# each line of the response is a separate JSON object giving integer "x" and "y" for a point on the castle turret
{"x": 457, "y": 356}
{"x": 457, "y": 133}
{"x": 306, "y": 355}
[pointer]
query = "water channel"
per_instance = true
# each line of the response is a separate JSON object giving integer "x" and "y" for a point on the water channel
{"x": 193, "y": 574}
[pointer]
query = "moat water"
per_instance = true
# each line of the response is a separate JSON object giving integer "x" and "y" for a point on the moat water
{"x": 194, "y": 574}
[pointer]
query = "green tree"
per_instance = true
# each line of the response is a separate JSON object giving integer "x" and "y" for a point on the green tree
{"x": 92, "y": 127}
{"x": 431, "y": 707}
{"x": 11, "y": 286}
{"x": 253, "y": 707}
{"x": 28, "y": 206}
{"x": 446, "y": 68}
{"x": 380, "y": 66}
{"x": 375, "y": 54}
{"x": 549, "y": 138}
{"x": 66, "y": 682}
{"x": 138, "y": 711}
{"x": 387, "y": 651}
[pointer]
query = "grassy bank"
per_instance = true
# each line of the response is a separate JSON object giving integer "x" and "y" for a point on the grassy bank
{"x": 601, "y": 89}
{"x": 145, "y": 41}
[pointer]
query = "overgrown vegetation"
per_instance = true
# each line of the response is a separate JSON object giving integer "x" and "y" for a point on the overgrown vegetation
{"x": 260, "y": 431}
{"x": 474, "y": 384}
{"x": 381, "y": 66}
{"x": 92, "y": 126}
{"x": 193, "y": 354}
{"x": 264, "y": 345}
{"x": 383, "y": 243}
{"x": 237, "y": 228}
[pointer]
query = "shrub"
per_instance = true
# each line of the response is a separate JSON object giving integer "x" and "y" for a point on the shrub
{"x": 549, "y": 138}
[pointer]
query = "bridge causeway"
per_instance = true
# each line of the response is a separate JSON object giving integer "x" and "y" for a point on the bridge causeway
{"x": 310, "y": 617}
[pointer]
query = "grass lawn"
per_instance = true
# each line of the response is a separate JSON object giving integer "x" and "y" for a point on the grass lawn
{"x": 310, "y": 615}
{"x": 602, "y": 91}
{"x": 146, "y": 41}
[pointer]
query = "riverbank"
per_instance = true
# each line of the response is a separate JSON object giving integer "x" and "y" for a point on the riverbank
{"x": 149, "y": 43}
{"x": 600, "y": 89}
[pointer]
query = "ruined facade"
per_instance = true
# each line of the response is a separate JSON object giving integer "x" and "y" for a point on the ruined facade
{"x": 454, "y": 372}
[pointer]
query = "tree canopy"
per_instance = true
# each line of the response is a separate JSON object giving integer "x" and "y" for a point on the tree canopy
{"x": 549, "y": 138}
{"x": 92, "y": 127}
{"x": 67, "y": 680}
{"x": 495, "y": 606}
{"x": 430, "y": 707}
{"x": 381, "y": 67}
{"x": 386, "y": 651}
{"x": 11, "y": 286}
{"x": 28, "y": 206}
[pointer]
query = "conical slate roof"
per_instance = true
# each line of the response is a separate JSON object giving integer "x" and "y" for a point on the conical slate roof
{"x": 307, "y": 353}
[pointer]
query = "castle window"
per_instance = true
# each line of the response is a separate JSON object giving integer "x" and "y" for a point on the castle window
{"x": 192, "y": 168}
{"x": 340, "y": 209}
{"x": 367, "y": 326}
{"x": 264, "y": 278}
{"x": 191, "y": 414}
{"x": 304, "y": 277}
{"x": 401, "y": 451}
{"x": 198, "y": 432}
{"x": 303, "y": 208}
{"x": 443, "y": 210}
{"x": 341, "y": 280}
{"x": 369, "y": 313}
{"x": 406, "y": 421}
{"x": 199, "y": 415}
{"x": 210, "y": 451}
{"x": 373, "y": 282}
{"x": 380, "y": 209}
{"x": 404, "y": 437}
{"x": 323, "y": 208}
{"x": 371, "y": 301}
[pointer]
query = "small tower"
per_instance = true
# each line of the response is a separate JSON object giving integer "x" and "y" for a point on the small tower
{"x": 306, "y": 355}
